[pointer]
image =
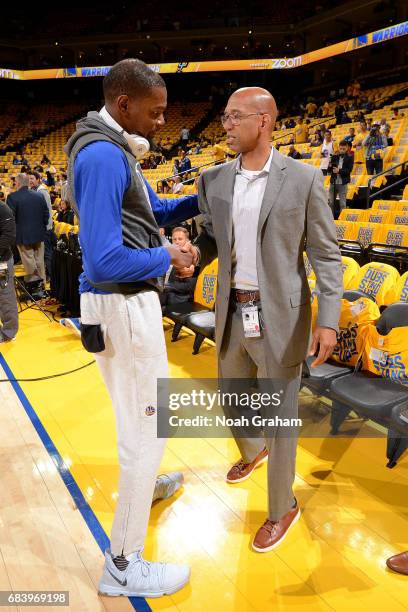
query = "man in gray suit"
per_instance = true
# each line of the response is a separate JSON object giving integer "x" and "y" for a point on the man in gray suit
{"x": 259, "y": 213}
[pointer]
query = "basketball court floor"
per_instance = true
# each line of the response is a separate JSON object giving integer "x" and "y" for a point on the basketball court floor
{"x": 58, "y": 488}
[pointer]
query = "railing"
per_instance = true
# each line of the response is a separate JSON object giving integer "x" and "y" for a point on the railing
{"x": 387, "y": 187}
{"x": 173, "y": 176}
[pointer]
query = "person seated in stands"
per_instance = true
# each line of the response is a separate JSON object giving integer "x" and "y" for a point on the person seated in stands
{"x": 185, "y": 165}
{"x": 65, "y": 214}
{"x": 166, "y": 187}
{"x": 338, "y": 112}
{"x": 176, "y": 167}
{"x": 384, "y": 125}
{"x": 315, "y": 140}
{"x": 159, "y": 187}
{"x": 25, "y": 162}
{"x": 395, "y": 114}
{"x": 293, "y": 153}
{"x": 219, "y": 154}
{"x": 351, "y": 135}
{"x": 390, "y": 140}
{"x": 50, "y": 180}
{"x": 45, "y": 160}
{"x": 16, "y": 160}
{"x": 325, "y": 109}
{"x": 345, "y": 118}
{"x": 152, "y": 162}
{"x": 180, "y": 284}
{"x": 375, "y": 144}
{"x": 178, "y": 186}
{"x": 301, "y": 132}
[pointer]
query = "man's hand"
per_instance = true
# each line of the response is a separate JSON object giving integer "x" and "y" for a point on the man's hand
{"x": 325, "y": 339}
{"x": 190, "y": 248}
{"x": 179, "y": 259}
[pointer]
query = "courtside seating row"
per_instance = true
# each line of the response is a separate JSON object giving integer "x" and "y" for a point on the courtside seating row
{"x": 368, "y": 370}
{"x": 374, "y": 240}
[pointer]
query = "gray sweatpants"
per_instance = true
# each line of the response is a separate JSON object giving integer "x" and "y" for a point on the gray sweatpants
{"x": 8, "y": 305}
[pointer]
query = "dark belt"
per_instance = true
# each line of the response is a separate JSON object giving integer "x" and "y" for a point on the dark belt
{"x": 242, "y": 296}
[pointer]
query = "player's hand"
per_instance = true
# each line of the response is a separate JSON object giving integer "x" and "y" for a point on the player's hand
{"x": 324, "y": 339}
{"x": 190, "y": 248}
{"x": 179, "y": 259}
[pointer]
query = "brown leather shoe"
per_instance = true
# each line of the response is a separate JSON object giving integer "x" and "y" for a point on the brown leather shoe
{"x": 272, "y": 533}
{"x": 399, "y": 563}
{"x": 241, "y": 471}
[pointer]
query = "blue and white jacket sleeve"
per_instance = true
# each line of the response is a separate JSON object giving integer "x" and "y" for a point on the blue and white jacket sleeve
{"x": 101, "y": 177}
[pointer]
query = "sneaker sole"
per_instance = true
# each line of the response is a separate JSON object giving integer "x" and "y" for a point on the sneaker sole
{"x": 269, "y": 548}
{"x": 248, "y": 475}
{"x": 110, "y": 591}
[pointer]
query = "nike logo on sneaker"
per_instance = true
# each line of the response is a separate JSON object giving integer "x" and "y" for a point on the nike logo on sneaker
{"x": 122, "y": 582}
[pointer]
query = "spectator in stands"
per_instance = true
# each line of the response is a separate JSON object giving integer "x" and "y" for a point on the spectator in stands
{"x": 339, "y": 112}
{"x": 395, "y": 114}
{"x": 65, "y": 213}
{"x": 326, "y": 151}
{"x": 315, "y": 140}
{"x": 166, "y": 187}
{"x": 8, "y": 301}
{"x": 50, "y": 180}
{"x": 31, "y": 215}
{"x": 384, "y": 125}
{"x": 45, "y": 160}
{"x": 176, "y": 167}
{"x": 340, "y": 168}
{"x": 36, "y": 185}
{"x": 351, "y": 135}
{"x": 64, "y": 187}
{"x": 293, "y": 153}
{"x": 16, "y": 160}
{"x": 311, "y": 108}
{"x": 390, "y": 140}
{"x": 184, "y": 136}
{"x": 181, "y": 283}
{"x": 159, "y": 188}
{"x": 356, "y": 89}
{"x": 301, "y": 132}
{"x": 374, "y": 143}
{"x": 185, "y": 165}
{"x": 178, "y": 186}
{"x": 325, "y": 109}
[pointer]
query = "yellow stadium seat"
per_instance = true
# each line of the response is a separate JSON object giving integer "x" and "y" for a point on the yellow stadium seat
{"x": 350, "y": 271}
{"x": 378, "y": 280}
{"x": 401, "y": 292}
{"x": 206, "y": 286}
{"x": 399, "y": 217}
{"x": 355, "y": 319}
{"x": 376, "y": 216}
{"x": 352, "y": 214}
{"x": 387, "y": 355}
{"x": 346, "y": 230}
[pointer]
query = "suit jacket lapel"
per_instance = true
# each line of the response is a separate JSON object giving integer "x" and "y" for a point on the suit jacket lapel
{"x": 276, "y": 178}
{"x": 227, "y": 182}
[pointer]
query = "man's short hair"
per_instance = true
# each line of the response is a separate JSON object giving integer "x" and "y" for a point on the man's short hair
{"x": 343, "y": 143}
{"x": 180, "y": 229}
{"x": 22, "y": 179}
{"x": 130, "y": 77}
{"x": 35, "y": 174}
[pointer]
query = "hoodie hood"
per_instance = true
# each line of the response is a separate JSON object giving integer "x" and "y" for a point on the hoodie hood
{"x": 93, "y": 124}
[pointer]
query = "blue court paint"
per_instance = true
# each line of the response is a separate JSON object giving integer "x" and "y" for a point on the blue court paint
{"x": 91, "y": 520}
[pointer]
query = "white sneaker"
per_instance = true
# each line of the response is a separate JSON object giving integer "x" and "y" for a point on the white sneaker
{"x": 167, "y": 485}
{"x": 142, "y": 578}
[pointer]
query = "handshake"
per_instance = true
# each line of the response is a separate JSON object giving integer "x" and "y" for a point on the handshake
{"x": 182, "y": 258}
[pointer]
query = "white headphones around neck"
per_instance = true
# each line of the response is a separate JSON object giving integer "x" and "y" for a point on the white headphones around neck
{"x": 138, "y": 144}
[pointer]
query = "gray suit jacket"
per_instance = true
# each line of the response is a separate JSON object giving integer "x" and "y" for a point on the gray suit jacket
{"x": 294, "y": 217}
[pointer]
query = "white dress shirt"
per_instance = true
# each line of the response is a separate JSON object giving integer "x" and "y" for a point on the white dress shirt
{"x": 249, "y": 192}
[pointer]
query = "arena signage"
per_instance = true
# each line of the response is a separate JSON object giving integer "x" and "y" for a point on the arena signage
{"x": 279, "y": 63}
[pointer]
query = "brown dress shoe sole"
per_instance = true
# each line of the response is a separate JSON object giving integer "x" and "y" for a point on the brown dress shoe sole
{"x": 276, "y": 544}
